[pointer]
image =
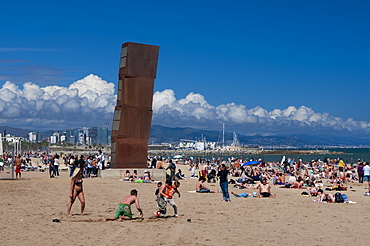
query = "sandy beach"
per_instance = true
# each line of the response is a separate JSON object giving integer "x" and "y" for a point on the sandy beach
{"x": 28, "y": 207}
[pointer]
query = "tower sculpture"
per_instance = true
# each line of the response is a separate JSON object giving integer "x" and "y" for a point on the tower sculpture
{"x": 133, "y": 112}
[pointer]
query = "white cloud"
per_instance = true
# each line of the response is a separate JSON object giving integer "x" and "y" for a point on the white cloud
{"x": 91, "y": 101}
{"x": 194, "y": 110}
{"x": 86, "y": 102}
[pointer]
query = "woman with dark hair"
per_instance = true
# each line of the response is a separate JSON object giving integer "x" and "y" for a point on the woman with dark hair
{"x": 76, "y": 190}
{"x": 360, "y": 172}
{"x": 224, "y": 184}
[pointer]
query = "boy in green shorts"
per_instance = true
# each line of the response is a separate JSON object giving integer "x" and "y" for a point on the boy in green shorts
{"x": 123, "y": 211}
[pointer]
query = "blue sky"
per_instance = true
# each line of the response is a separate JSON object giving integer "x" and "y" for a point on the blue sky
{"x": 271, "y": 54}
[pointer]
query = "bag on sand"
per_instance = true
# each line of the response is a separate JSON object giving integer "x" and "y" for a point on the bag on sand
{"x": 338, "y": 198}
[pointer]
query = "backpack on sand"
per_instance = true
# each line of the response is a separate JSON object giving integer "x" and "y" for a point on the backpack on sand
{"x": 338, "y": 198}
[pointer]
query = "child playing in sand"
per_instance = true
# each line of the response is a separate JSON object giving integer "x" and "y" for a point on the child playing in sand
{"x": 165, "y": 196}
{"x": 169, "y": 195}
{"x": 124, "y": 207}
{"x": 161, "y": 203}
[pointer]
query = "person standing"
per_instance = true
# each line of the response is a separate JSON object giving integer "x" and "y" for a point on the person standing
{"x": 367, "y": 176}
{"x": 168, "y": 192}
{"x": 224, "y": 184}
{"x": 101, "y": 158}
{"x": 56, "y": 164}
{"x": 72, "y": 165}
{"x": 76, "y": 190}
{"x": 360, "y": 172}
{"x": 1, "y": 163}
{"x": 50, "y": 161}
{"x": 153, "y": 163}
{"x": 172, "y": 168}
{"x": 17, "y": 164}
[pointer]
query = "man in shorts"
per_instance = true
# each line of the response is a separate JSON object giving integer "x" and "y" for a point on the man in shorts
{"x": 123, "y": 211}
{"x": 367, "y": 176}
{"x": 17, "y": 164}
{"x": 201, "y": 188}
{"x": 264, "y": 189}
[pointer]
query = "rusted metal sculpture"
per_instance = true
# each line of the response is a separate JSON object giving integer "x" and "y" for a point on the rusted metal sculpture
{"x": 133, "y": 112}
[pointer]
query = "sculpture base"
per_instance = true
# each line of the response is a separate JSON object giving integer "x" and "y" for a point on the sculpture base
{"x": 118, "y": 173}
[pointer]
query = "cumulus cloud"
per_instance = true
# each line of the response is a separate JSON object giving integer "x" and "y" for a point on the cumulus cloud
{"x": 91, "y": 101}
{"x": 86, "y": 102}
{"x": 194, "y": 110}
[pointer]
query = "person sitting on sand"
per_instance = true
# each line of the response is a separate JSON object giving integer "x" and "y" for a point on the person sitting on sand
{"x": 201, "y": 188}
{"x": 325, "y": 197}
{"x": 180, "y": 175}
{"x": 280, "y": 180}
{"x": 123, "y": 211}
{"x": 147, "y": 178}
{"x": 76, "y": 190}
{"x": 127, "y": 175}
{"x": 312, "y": 190}
{"x": 135, "y": 176}
{"x": 264, "y": 189}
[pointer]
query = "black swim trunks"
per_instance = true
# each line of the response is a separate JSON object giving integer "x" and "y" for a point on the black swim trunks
{"x": 265, "y": 194}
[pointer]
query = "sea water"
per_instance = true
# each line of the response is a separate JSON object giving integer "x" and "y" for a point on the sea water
{"x": 349, "y": 155}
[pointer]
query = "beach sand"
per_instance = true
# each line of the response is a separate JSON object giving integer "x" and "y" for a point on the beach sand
{"x": 28, "y": 207}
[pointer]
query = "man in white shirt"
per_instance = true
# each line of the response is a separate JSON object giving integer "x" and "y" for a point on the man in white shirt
{"x": 101, "y": 160}
{"x": 367, "y": 176}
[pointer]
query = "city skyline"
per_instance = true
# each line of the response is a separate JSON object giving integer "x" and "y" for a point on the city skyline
{"x": 260, "y": 67}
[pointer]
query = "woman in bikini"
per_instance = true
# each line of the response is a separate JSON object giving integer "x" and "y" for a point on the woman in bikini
{"x": 76, "y": 190}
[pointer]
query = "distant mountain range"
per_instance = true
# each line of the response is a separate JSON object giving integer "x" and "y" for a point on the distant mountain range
{"x": 19, "y": 132}
{"x": 161, "y": 134}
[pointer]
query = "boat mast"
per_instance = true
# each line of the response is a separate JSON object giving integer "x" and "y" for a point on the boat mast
{"x": 223, "y": 135}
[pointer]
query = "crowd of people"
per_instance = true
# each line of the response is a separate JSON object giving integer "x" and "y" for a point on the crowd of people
{"x": 315, "y": 177}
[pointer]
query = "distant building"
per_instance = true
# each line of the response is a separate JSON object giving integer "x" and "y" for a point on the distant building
{"x": 57, "y": 137}
{"x": 76, "y": 135}
{"x": 34, "y": 137}
{"x": 98, "y": 135}
{"x": 53, "y": 139}
{"x": 91, "y": 135}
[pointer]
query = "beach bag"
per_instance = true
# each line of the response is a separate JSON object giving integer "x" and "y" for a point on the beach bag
{"x": 305, "y": 193}
{"x": 338, "y": 198}
{"x": 173, "y": 166}
{"x": 345, "y": 197}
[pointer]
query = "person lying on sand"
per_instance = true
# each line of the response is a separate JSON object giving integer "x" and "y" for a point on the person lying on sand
{"x": 264, "y": 189}
{"x": 201, "y": 188}
{"x": 244, "y": 194}
{"x": 244, "y": 185}
{"x": 123, "y": 211}
{"x": 293, "y": 185}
